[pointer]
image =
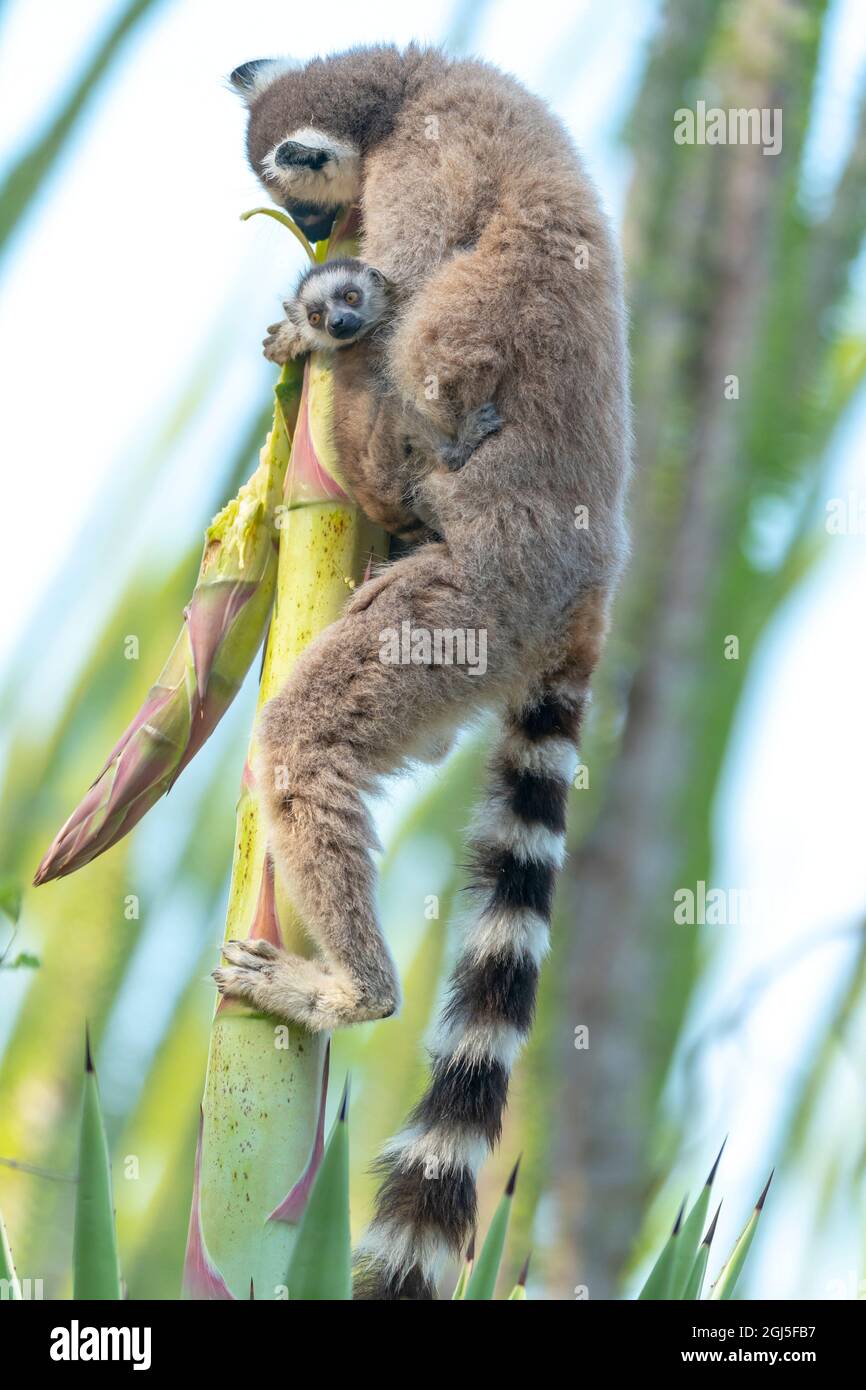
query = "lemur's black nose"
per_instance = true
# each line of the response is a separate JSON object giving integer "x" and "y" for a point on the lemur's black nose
{"x": 291, "y": 155}
{"x": 343, "y": 324}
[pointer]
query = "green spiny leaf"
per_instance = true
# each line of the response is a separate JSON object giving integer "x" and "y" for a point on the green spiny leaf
{"x": 95, "y": 1267}
{"x": 658, "y": 1284}
{"x": 320, "y": 1267}
{"x": 731, "y": 1270}
{"x": 518, "y": 1293}
{"x": 9, "y": 1287}
{"x": 482, "y": 1280}
{"x": 688, "y": 1241}
{"x": 695, "y": 1281}
{"x": 466, "y": 1271}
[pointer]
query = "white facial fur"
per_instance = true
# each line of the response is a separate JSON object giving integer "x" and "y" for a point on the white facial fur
{"x": 336, "y": 183}
{"x": 323, "y": 287}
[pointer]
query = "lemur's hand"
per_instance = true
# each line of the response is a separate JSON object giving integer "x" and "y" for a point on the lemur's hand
{"x": 477, "y": 426}
{"x": 283, "y": 343}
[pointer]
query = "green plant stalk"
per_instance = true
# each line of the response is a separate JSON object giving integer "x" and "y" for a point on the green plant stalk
{"x": 260, "y": 1141}
{"x": 95, "y": 1269}
{"x": 10, "y": 1289}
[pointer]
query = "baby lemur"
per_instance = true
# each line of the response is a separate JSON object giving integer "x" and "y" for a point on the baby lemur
{"x": 384, "y": 447}
{"x": 504, "y": 292}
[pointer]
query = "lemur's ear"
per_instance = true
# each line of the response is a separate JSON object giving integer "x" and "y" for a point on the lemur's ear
{"x": 251, "y": 79}
{"x": 379, "y": 278}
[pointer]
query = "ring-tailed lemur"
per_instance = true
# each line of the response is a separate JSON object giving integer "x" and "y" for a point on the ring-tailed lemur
{"x": 505, "y": 288}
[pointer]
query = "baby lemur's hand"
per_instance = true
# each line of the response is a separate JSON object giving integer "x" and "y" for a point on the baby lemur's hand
{"x": 283, "y": 343}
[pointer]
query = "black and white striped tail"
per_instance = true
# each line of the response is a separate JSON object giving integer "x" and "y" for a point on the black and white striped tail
{"x": 426, "y": 1205}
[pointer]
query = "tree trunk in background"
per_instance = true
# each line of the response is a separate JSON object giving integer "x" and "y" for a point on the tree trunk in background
{"x": 721, "y": 212}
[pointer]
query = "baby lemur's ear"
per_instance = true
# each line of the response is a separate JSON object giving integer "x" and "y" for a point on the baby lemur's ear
{"x": 378, "y": 278}
{"x": 252, "y": 78}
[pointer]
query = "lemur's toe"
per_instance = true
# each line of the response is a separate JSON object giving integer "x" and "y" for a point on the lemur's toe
{"x": 256, "y": 945}
{"x": 240, "y": 982}
{"x": 251, "y": 955}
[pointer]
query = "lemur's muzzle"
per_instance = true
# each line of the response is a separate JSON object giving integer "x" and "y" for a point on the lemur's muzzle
{"x": 291, "y": 155}
{"x": 314, "y": 222}
{"x": 343, "y": 324}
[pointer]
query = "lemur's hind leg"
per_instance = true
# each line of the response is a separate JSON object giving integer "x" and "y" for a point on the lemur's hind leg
{"x": 350, "y": 712}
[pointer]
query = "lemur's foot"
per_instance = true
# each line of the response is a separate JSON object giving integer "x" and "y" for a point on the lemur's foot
{"x": 294, "y": 989}
{"x": 283, "y": 343}
{"x": 477, "y": 426}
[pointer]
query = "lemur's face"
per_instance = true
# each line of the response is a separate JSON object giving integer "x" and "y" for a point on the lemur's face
{"x": 339, "y": 302}
{"x": 308, "y": 170}
{"x": 311, "y": 174}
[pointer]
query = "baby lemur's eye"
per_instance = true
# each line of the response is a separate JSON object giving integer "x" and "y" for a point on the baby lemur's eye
{"x": 352, "y": 296}
{"x": 314, "y": 319}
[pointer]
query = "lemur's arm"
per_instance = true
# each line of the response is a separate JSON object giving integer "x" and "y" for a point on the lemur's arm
{"x": 283, "y": 343}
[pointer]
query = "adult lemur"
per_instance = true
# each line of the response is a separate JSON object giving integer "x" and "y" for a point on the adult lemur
{"x": 505, "y": 289}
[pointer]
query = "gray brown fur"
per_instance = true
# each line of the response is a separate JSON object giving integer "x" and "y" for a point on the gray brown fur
{"x": 479, "y": 232}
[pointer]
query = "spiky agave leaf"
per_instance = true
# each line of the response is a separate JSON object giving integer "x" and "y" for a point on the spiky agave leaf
{"x": 726, "y": 1282}
{"x": 9, "y": 1287}
{"x": 466, "y": 1272}
{"x": 688, "y": 1241}
{"x": 482, "y": 1281}
{"x": 658, "y": 1284}
{"x": 518, "y": 1293}
{"x": 321, "y": 1264}
{"x": 695, "y": 1282}
{"x": 95, "y": 1267}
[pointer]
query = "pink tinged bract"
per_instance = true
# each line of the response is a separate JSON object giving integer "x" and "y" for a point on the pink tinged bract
{"x": 201, "y": 1278}
{"x": 265, "y": 926}
{"x": 178, "y": 716}
{"x": 292, "y": 1207}
{"x": 137, "y": 774}
{"x": 210, "y": 615}
{"x": 307, "y": 479}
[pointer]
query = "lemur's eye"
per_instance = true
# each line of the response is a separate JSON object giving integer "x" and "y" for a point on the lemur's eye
{"x": 314, "y": 319}
{"x": 352, "y": 296}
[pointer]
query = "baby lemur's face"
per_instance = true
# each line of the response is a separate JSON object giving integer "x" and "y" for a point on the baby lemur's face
{"x": 338, "y": 302}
